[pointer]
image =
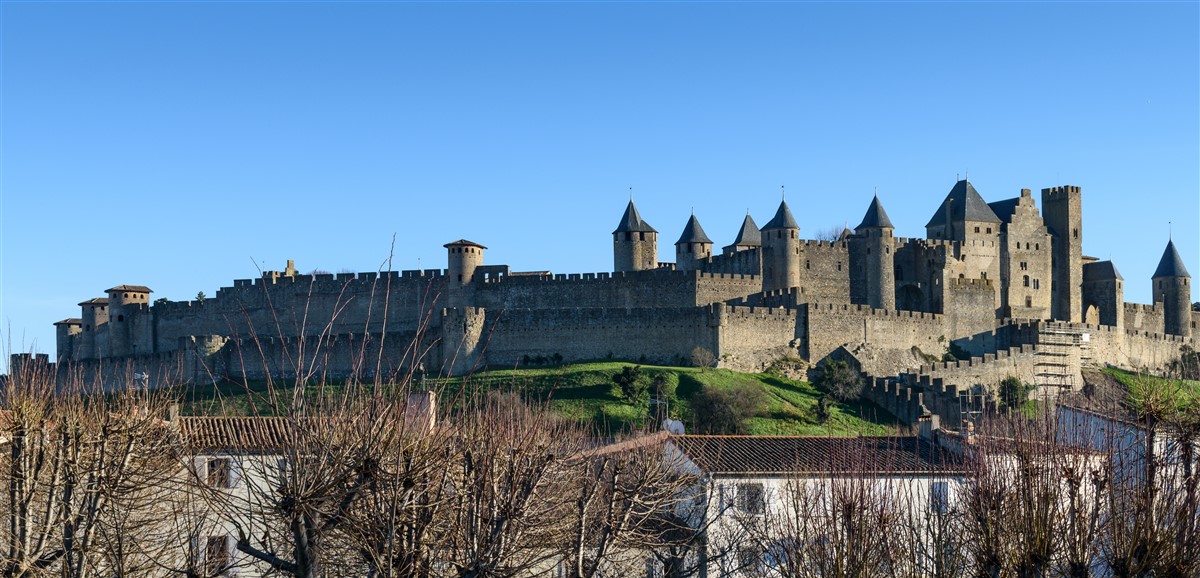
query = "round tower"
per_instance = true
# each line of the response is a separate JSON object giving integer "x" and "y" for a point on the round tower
{"x": 462, "y": 258}
{"x": 693, "y": 246}
{"x": 781, "y": 251}
{"x": 635, "y": 243}
{"x": 67, "y": 334}
{"x": 123, "y": 303}
{"x": 93, "y": 313}
{"x": 875, "y": 246}
{"x": 1173, "y": 287}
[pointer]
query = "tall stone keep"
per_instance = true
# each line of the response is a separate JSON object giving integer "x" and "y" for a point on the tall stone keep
{"x": 781, "y": 250}
{"x": 123, "y": 302}
{"x": 692, "y": 247}
{"x": 635, "y": 243}
{"x": 1063, "y": 214}
{"x": 876, "y": 244}
{"x": 462, "y": 258}
{"x": 1173, "y": 287}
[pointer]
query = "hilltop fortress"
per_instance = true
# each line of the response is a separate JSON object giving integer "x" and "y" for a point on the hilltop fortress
{"x": 1003, "y": 282}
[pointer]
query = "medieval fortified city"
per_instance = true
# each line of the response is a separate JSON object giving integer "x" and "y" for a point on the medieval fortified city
{"x": 1011, "y": 391}
{"x": 1005, "y": 282}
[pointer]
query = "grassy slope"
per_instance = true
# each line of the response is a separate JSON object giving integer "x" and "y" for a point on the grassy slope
{"x": 585, "y": 392}
{"x": 1178, "y": 392}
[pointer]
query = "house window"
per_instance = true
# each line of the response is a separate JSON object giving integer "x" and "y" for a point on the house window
{"x": 218, "y": 472}
{"x": 806, "y": 264}
{"x": 751, "y": 498}
{"x": 1024, "y": 266}
{"x": 939, "y": 497}
{"x": 983, "y": 274}
{"x": 839, "y": 265}
{"x": 216, "y": 555}
{"x": 976, "y": 229}
{"x": 989, "y": 230}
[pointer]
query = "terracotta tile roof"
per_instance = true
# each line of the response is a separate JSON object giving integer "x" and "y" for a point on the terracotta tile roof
{"x": 70, "y": 321}
{"x": 773, "y": 455}
{"x": 96, "y": 301}
{"x": 242, "y": 433}
{"x": 135, "y": 288}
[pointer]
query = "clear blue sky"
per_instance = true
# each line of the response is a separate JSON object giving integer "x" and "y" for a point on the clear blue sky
{"x": 176, "y": 145}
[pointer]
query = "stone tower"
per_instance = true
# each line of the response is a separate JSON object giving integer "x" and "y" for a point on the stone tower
{"x": 635, "y": 243}
{"x": 65, "y": 337}
{"x": 692, "y": 247}
{"x": 1103, "y": 294}
{"x": 123, "y": 303}
{"x": 1173, "y": 287}
{"x": 748, "y": 237}
{"x": 1062, "y": 211}
{"x": 92, "y": 314}
{"x": 781, "y": 251}
{"x": 462, "y": 258}
{"x": 875, "y": 244}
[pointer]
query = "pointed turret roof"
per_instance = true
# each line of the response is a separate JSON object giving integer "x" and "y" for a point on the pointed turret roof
{"x": 631, "y": 222}
{"x": 1171, "y": 265}
{"x": 693, "y": 233}
{"x": 876, "y": 217}
{"x": 783, "y": 219}
{"x": 966, "y": 205}
{"x": 748, "y": 235}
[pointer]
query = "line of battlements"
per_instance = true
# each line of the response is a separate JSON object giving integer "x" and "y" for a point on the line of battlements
{"x": 339, "y": 277}
{"x": 615, "y": 276}
{"x": 1135, "y": 307}
{"x": 867, "y": 310}
{"x": 999, "y": 355}
{"x": 1055, "y": 192}
{"x": 964, "y": 283}
{"x": 748, "y": 311}
{"x": 818, "y": 244}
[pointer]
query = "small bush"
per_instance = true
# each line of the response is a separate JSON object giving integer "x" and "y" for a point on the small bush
{"x": 703, "y": 358}
{"x": 725, "y": 411}
{"x": 632, "y": 384}
{"x": 840, "y": 380}
{"x": 1014, "y": 393}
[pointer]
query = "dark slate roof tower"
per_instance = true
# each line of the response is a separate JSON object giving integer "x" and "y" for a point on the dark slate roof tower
{"x": 873, "y": 247}
{"x": 876, "y": 217}
{"x": 1173, "y": 287}
{"x": 962, "y": 205}
{"x": 748, "y": 237}
{"x": 781, "y": 250}
{"x": 692, "y": 247}
{"x": 635, "y": 243}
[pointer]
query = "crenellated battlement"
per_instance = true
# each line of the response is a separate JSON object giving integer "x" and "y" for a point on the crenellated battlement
{"x": 1055, "y": 193}
{"x": 818, "y": 244}
{"x": 964, "y": 284}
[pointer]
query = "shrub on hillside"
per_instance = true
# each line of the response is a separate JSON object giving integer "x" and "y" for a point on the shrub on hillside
{"x": 703, "y": 358}
{"x": 725, "y": 411}
{"x": 632, "y": 384}
{"x": 1014, "y": 392}
{"x": 840, "y": 380}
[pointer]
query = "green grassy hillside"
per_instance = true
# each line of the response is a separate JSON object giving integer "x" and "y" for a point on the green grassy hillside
{"x": 1175, "y": 393}
{"x": 586, "y": 392}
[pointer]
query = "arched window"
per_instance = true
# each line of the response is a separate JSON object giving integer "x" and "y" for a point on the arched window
{"x": 1026, "y": 280}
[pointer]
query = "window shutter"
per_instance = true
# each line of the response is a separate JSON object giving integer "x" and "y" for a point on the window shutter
{"x": 231, "y": 548}
{"x": 200, "y": 465}
{"x": 235, "y": 472}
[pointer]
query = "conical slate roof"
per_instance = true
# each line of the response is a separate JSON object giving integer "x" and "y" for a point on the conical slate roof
{"x": 782, "y": 220}
{"x": 1170, "y": 265}
{"x": 876, "y": 217}
{"x": 693, "y": 233}
{"x": 631, "y": 222}
{"x": 966, "y": 205}
{"x": 748, "y": 236}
